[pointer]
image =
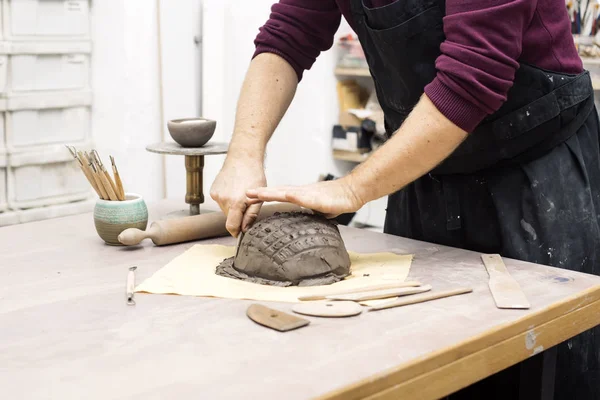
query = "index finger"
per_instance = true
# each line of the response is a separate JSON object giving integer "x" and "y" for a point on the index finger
{"x": 234, "y": 218}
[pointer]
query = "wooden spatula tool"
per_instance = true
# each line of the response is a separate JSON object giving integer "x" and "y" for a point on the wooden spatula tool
{"x": 505, "y": 289}
{"x": 274, "y": 319}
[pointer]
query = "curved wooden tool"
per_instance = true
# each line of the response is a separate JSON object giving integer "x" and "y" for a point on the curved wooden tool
{"x": 323, "y": 296}
{"x": 421, "y": 298}
{"x": 274, "y": 319}
{"x": 381, "y": 294}
{"x": 195, "y": 227}
{"x": 331, "y": 309}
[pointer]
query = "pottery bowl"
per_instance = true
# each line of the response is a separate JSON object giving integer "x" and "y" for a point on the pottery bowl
{"x": 113, "y": 217}
{"x": 192, "y": 132}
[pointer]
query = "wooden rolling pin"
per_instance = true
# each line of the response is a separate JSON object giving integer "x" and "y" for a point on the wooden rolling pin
{"x": 195, "y": 227}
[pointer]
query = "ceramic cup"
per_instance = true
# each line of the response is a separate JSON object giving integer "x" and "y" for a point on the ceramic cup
{"x": 113, "y": 217}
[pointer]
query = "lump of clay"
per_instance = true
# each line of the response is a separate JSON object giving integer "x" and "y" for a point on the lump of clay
{"x": 290, "y": 249}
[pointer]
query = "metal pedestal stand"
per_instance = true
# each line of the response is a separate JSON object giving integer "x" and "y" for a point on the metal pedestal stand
{"x": 194, "y": 166}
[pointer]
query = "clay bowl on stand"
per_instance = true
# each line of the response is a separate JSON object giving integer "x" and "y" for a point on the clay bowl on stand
{"x": 192, "y": 132}
{"x": 113, "y": 217}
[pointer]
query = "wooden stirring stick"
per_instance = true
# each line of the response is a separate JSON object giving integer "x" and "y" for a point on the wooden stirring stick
{"x": 119, "y": 184}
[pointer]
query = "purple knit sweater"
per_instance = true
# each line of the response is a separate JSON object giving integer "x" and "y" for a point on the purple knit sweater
{"x": 476, "y": 68}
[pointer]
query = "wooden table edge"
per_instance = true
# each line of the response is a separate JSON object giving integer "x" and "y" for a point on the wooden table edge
{"x": 441, "y": 373}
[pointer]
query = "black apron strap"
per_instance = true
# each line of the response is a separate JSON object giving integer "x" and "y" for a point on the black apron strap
{"x": 544, "y": 109}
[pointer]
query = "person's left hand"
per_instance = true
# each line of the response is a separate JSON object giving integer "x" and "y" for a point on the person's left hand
{"x": 330, "y": 198}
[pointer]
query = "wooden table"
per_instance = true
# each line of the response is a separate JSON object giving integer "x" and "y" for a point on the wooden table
{"x": 67, "y": 333}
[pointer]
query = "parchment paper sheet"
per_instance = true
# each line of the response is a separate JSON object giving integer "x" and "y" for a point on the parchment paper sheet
{"x": 193, "y": 274}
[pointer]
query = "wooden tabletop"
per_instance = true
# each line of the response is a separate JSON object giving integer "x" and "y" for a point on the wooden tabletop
{"x": 67, "y": 333}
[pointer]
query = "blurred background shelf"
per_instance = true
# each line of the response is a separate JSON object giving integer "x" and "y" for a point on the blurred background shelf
{"x": 350, "y": 156}
{"x": 340, "y": 71}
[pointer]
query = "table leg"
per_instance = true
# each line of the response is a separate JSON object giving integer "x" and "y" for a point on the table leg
{"x": 194, "y": 166}
{"x": 537, "y": 376}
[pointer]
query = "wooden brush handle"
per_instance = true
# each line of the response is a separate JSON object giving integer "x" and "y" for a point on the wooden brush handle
{"x": 196, "y": 227}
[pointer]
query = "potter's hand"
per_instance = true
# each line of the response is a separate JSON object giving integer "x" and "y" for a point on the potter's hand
{"x": 330, "y": 198}
{"x": 229, "y": 191}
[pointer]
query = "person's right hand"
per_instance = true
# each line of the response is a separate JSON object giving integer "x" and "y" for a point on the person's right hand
{"x": 229, "y": 190}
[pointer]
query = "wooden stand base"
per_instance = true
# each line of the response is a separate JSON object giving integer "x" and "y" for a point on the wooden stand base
{"x": 194, "y": 167}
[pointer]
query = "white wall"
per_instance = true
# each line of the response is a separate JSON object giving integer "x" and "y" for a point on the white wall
{"x": 180, "y": 24}
{"x": 125, "y": 79}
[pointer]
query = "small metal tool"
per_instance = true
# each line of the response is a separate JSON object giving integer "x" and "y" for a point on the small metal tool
{"x": 73, "y": 151}
{"x": 131, "y": 286}
{"x": 239, "y": 242}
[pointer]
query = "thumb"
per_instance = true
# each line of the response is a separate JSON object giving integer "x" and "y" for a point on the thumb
{"x": 250, "y": 216}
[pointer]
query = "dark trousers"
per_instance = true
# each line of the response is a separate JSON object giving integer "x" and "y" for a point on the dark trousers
{"x": 546, "y": 211}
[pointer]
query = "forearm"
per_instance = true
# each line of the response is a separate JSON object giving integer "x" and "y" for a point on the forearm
{"x": 267, "y": 91}
{"x": 423, "y": 141}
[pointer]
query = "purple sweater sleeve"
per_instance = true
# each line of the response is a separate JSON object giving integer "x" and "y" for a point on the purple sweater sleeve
{"x": 299, "y": 31}
{"x": 479, "y": 57}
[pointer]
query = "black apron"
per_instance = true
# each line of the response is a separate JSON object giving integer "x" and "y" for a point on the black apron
{"x": 525, "y": 183}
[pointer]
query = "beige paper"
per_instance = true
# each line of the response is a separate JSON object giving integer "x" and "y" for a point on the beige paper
{"x": 193, "y": 274}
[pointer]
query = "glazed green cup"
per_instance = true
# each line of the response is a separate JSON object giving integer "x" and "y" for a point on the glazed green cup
{"x": 113, "y": 217}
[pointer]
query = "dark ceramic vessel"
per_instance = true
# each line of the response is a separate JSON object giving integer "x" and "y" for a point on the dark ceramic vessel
{"x": 192, "y": 132}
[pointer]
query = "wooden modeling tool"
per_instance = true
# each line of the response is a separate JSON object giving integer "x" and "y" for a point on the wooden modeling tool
{"x": 92, "y": 167}
{"x": 323, "y": 296}
{"x": 105, "y": 178}
{"x": 380, "y": 294}
{"x": 118, "y": 182}
{"x": 505, "y": 289}
{"x": 96, "y": 175}
{"x": 420, "y": 299}
{"x": 195, "y": 227}
{"x": 239, "y": 241}
{"x": 275, "y": 319}
{"x": 84, "y": 168}
{"x": 328, "y": 309}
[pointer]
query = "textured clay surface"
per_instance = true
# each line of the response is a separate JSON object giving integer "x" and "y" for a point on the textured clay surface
{"x": 289, "y": 249}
